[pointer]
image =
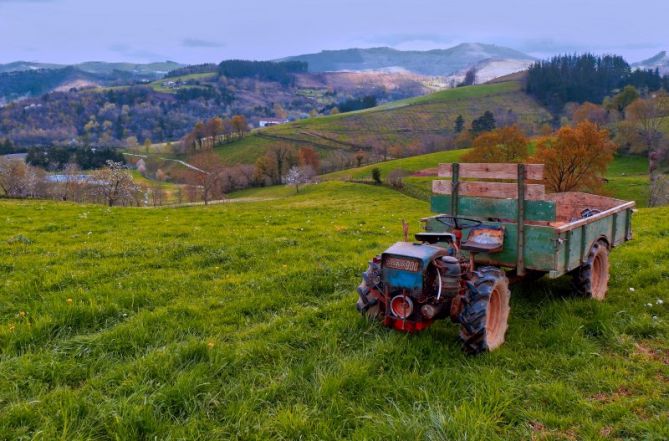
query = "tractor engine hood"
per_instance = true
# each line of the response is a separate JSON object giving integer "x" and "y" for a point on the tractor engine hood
{"x": 404, "y": 264}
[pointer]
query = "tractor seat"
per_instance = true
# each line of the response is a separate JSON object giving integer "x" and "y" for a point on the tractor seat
{"x": 435, "y": 237}
{"x": 484, "y": 240}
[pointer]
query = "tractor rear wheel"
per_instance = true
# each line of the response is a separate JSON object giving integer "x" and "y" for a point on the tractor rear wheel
{"x": 592, "y": 278}
{"x": 368, "y": 305}
{"x": 484, "y": 318}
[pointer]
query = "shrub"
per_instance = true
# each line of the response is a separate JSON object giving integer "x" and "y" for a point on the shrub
{"x": 395, "y": 178}
{"x": 376, "y": 175}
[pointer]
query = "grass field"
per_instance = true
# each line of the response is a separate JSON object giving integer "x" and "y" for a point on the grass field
{"x": 237, "y": 321}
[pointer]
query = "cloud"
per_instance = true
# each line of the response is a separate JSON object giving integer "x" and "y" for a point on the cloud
{"x": 26, "y": 1}
{"x": 195, "y": 42}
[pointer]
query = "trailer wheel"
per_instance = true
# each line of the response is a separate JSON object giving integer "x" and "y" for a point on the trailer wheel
{"x": 368, "y": 305}
{"x": 485, "y": 316}
{"x": 592, "y": 278}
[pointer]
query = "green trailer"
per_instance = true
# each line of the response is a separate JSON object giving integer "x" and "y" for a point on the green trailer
{"x": 494, "y": 225}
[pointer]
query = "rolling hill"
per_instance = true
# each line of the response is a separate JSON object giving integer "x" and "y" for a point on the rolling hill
{"x": 97, "y": 67}
{"x": 237, "y": 321}
{"x": 410, "y": 125}
{"x": 438, "y": 62}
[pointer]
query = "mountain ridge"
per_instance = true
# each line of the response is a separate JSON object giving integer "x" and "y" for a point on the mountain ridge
{"x": 434, "y": 62}
{"x": 658, "y": 61}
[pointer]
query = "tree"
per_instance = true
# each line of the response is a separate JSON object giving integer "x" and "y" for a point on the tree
{"x": 206, "y": 171}
{"x": 359, "y": 157}
{"x": 507, "y": 144}
{"x": 470, "y": 78}
{"x": 590, "y": 112}
{"x": 624, "y": 98}
{"x": 240, "y": 125}
{"x": 459, "y": 124}
{"x": 376, "y": 175}
{"x": 147, "y": 145}
{"x": 298, "y": 175}
{"x": 279, "y": 111}
{"x": 483, "y": 123}
{"x": 645, "y": 116}
{"x": 281, "y": 157}
{"x": 575, "y": 158}
{"x": 309, "y": 157}
{"x": 113, "y": 183}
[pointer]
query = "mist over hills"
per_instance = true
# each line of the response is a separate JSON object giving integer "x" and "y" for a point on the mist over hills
{"x": 659, "y": 61}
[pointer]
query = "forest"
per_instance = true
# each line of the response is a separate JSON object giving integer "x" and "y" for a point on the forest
{"x": 581, "y": 78}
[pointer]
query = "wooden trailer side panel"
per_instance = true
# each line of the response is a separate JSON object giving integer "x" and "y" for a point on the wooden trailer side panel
{"x": 496, "y": 208}
{"x": 574, "y": 244}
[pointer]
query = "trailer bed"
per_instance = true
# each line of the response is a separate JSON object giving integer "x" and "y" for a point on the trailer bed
{"x": 551, "y": 233}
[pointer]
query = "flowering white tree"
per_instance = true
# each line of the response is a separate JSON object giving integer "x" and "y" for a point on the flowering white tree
{"x": 114, "y": 183}
{"x": 298, "y": 175}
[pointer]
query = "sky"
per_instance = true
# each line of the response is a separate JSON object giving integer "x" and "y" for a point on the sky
{"x": 199, "y": 31}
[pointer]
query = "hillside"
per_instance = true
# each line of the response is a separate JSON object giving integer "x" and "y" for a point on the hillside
{"x": 659, "y": 61}
{"x": 237, "y": 321}
{"x": 438, "y": 62}
{"x": 410, "y": 126}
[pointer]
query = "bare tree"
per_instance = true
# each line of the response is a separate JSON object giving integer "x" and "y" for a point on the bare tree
{"x": 206, "y": 171}
{"x": 17, "y": 179}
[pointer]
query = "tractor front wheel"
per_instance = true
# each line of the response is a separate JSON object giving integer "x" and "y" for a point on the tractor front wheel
{"x": 592, "y": 278}
{"x": 484, "y": 318}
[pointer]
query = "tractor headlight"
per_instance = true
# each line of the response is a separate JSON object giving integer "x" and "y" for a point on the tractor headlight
{"x": 401, "y": 306}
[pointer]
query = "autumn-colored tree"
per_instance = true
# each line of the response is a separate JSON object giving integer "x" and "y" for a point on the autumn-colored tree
{"x": 575, "y": 158}
{"x": 215, "y": 128}
{"x": 240, "y": 125}
{"x": 590, "y": 112}
{"x": 309, "y": 157}
{"x": 359, "y": 157}
{"x": 507, "y": 144}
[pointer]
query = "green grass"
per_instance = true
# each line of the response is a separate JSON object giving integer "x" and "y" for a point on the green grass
{"x": 410, "y": 164}
{"x": 237, "y": 321}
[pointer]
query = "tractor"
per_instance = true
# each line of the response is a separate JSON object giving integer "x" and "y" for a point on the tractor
{"x": 485, "y": 236}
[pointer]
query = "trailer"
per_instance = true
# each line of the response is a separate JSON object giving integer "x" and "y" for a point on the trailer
{"x": 495, "y": 225}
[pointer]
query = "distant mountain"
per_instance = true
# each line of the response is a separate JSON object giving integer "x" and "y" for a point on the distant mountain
{"x": 23, "y": 79}
{"x": 154, "y": 70}
{"x": 437, "y": 62}
{"x": 659, "y": 61}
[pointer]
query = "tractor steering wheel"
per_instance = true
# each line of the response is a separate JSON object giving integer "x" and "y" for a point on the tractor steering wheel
{"x": 459, "y": 223}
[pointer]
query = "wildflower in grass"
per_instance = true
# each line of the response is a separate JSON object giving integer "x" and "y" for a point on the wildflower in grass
{"x": 12, "y": 327}
{"x": 659, "y": 301}
{"x": 210, "y": 344}
{"x": 631, "y": 289}
{"x": 69, "y": 301}
{"x": 22, "y": 314}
